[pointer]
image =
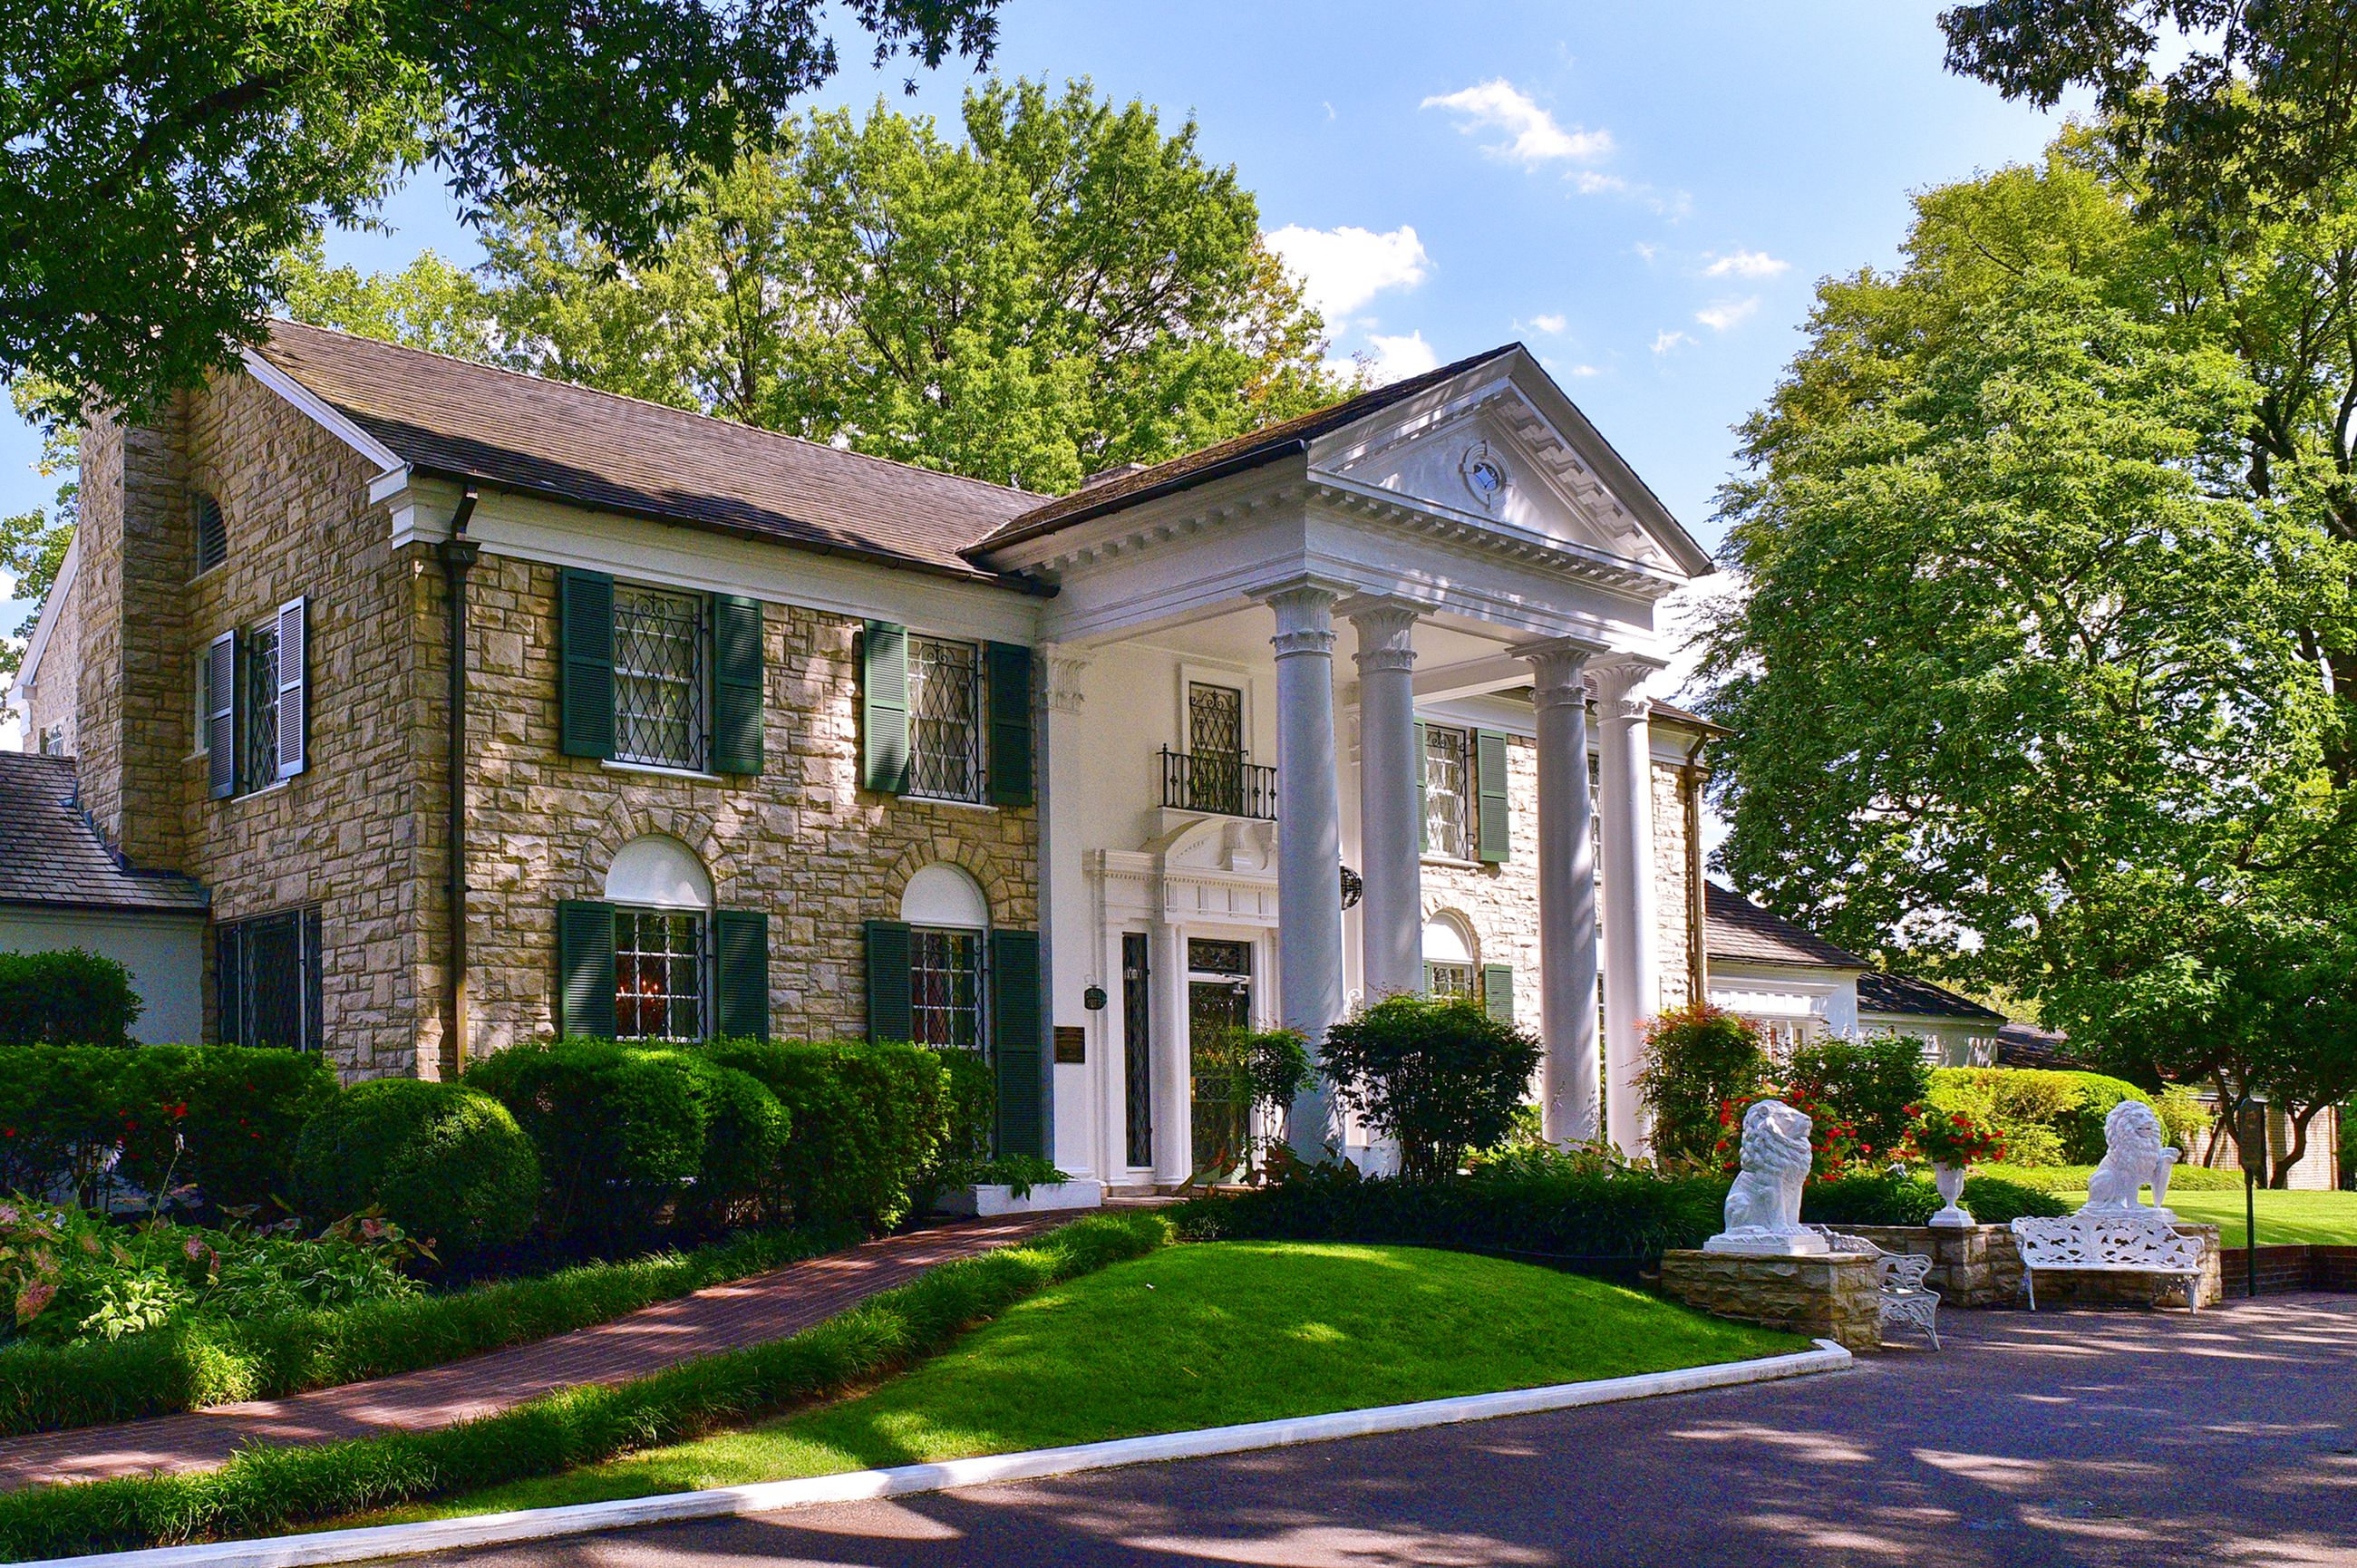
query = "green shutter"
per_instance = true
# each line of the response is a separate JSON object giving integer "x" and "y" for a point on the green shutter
{"x": 884, "y": 708}
{"x": 585, "y": 681}
{"x": 584, "y": 968}
{"x": 1423, "y": 777}
{"x": 1427, "y": 977}
{"x": 887, "y": 980}
{"x": 1009, "y": 682}
{"x": 740, "y": 952}
{"x": 1498, "y": 991}
{"x": 736, "y": 685}
{"x": 1015, "y": 1041}
{"x": 1496, "y": 835}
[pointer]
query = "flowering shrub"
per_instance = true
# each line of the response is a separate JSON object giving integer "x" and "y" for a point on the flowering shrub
{"x": 1954, "y": 1138}
{"x": 1696, "y": 1059}
{"x": 1833, "y": 1143}
{"x": 70, "y": 1277}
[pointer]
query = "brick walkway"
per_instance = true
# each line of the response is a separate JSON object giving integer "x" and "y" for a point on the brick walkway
{"x": 746, "y": 1312}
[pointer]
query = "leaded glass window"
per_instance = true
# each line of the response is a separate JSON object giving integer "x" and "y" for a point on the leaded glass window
{"x": 1449, "y": 982}
{"x": 944, "y": 719}
{"x": 658, "y": 974}
{"x": 261, "y": 736}
{"x": 1215, "y": 740}
{"x": 660, "y": 681}
{"x": 1447, "y": 793}
{"x": 945, "y": 987}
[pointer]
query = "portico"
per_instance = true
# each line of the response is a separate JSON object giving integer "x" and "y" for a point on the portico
{"x": 1407, "y": 602}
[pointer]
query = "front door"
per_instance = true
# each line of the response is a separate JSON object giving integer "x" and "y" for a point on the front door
{"x": 1219, "y": 1001}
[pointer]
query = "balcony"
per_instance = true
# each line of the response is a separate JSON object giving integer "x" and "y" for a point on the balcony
{"x": 1224, "y": 786}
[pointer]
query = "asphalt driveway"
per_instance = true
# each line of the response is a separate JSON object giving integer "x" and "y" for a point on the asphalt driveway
{"x": 2226, "y": 1438}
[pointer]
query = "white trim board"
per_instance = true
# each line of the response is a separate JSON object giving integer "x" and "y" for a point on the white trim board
{"x": 770, "y": 1497}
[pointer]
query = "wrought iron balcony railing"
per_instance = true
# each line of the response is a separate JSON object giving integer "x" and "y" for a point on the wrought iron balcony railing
{"x": 1228, "y": 786}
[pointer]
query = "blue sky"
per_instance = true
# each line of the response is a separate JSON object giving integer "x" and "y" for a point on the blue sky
{"x": 1645, "y": 194}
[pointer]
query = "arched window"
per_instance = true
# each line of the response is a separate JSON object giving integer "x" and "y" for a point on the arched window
{"x": 1447, "y": 958}
{"x": 663, "y": 909}
{"x": 212, "y": 529}
{"x": 949, "y": 923}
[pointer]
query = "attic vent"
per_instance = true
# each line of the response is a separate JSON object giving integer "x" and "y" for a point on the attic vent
{"x": 1107, "y": 475}
{"x": 213, "y": 531}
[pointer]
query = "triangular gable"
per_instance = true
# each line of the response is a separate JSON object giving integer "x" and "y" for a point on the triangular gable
{"x": 1501, "y": 444}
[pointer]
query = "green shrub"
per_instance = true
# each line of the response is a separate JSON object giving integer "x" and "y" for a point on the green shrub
{"x": 1886, "y": 1199}
{"x": 264, "y": 1490}
{"x": 2046, "y": 1118}
{"x": 66, "y": 998}
{"x": 235, "y": 1110}
{"x": 1697, "y": 1059}
{"x": 2073, "y": 1178}
{"x": 1874, "y": 1083}
{"x": 869, "y": 1120}
{"x": 1441, "y": 1077}
{"x": 745, "y": 1143}
{"x": 621, "y": 1128}
{"x": 192, "y": 1363}
{"x": 970, "y": 1098}
{"x": 444, "y": 1161}
{"x": 59, "y": 1117}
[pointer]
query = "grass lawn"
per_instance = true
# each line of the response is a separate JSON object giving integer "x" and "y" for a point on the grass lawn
{"x": 2285, "y": 1218}
{"x": 1191, "y": 1337}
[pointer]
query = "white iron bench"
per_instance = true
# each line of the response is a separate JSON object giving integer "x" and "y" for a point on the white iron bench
{"x": 1903, "y": 1297}
{"x": 2108, "y": 1243}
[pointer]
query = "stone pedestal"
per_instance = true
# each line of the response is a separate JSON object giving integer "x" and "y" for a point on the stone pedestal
{"x": 1829, "y": 1297}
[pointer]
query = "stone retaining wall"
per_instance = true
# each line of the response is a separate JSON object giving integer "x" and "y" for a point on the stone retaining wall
{"x": 1978, "y": 1265}
{"x": 1829, "y": 1297}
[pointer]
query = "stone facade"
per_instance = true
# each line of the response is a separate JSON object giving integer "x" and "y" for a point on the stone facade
{"x": 803, "y": 840}
{"x": 1828, "y": 1297}
{"x": 1978, "y": 1265}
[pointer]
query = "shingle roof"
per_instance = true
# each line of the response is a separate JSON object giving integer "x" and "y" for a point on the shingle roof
{"x": 2027, "y": 1044}
{"x": 50, "y": 853}
{"x": 1734, "y": 927}
{"x": 454, "y": 417}
{"x": 1880, "y": 992}
{"x": 1231, "y": 456}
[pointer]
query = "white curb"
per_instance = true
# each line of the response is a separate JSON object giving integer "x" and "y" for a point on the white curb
{"x": 769, "y": 1496}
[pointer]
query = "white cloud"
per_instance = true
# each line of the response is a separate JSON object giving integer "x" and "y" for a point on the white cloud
{"x": 1551, "y": 324}
{"x": 1718, "y": 317}
{"x": 1582, "y": 371}
{"x": 1664, "y": 340}
{"x": 1745, "y": 265}
{"x": 1341, "y": 269}
{"x": 1645, "y": 252}
{"x": 1533, "y": 137}
{"x": 1396, "y": 358}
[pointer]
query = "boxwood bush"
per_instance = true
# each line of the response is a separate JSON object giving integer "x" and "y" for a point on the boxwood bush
{"x": 66, "y": 998}
{"x": 869, "y": 1120}
{"x": 446, "y": 1162}
{"x": 1912, "y": 1200}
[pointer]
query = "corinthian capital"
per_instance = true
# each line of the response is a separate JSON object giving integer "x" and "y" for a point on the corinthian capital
{"x": 1617, "y": 679}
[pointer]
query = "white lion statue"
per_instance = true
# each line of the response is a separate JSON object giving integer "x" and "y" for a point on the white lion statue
{"x": 1763, "y": 1208}
{"x": 2136, "y": 1151}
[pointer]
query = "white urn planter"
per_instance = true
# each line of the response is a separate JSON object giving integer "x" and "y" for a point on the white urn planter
{"x": 1950, "y": 1180}
{"x": 987, "y": 1200}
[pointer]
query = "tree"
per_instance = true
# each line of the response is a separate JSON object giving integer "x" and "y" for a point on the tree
{"x": 1066, "y": 289}
{"x": 33, "y": 543}
{"x": 164, "y": 157}
{"x": 1441, "y": 1077}
{"x": 2039, "y": 651}
{"x": 2259, "y": 112}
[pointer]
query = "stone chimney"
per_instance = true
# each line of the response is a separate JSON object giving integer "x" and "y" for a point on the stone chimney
{"x": 1107, "y": 475}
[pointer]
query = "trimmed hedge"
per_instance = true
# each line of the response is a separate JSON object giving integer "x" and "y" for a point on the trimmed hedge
{"x": 237, "y": 1109}
{"x": 2071, "y": 1105}
{"x": 206, "y": 1362}
{"x": 1912, "y": 1200}
{"x": 445, "y": 1163}
{"x": 266, "y": 1489}
{"x": 72, "y": 997}
{"x": 869, "y": 1120}
{"x": 2073, "y": 1178}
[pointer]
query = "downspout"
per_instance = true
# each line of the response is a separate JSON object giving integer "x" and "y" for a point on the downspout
{"x": 1690, "y": 783}
{"x": 458, "y": 554}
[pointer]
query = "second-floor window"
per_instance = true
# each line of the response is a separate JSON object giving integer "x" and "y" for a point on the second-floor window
{"x": 1447, "y": 793}
{"x": 211, "y": 531}
{"x": 253, "y": 703}
{"x": 945, "y": 697}
{"x": 660, "y": 677}
{"x": 1215, "y": 741}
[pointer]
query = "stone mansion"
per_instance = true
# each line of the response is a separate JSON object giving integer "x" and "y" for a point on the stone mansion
{"x": 697, "y": 729}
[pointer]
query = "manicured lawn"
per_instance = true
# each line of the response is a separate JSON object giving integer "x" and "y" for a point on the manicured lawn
{"x": 2285, "y": 1218}
{"x": 1192, "y": 1337}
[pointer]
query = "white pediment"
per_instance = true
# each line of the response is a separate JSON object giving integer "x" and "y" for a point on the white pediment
{"x": 1503, "y": 445}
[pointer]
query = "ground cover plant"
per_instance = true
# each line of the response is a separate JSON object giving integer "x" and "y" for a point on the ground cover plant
{"x": 1195, "y": 1337}
{"x": 188, "y": 1360}
{"x": 266, "y": 1489}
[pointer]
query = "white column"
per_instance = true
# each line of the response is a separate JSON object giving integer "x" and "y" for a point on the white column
{"x": 1570, "y": 1071}
{"x": 1308, "y": 846}
{"x": 1391, "y": 910}
{"x": 1632, "y": 971}
{"x": 1174, "y": 1056}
